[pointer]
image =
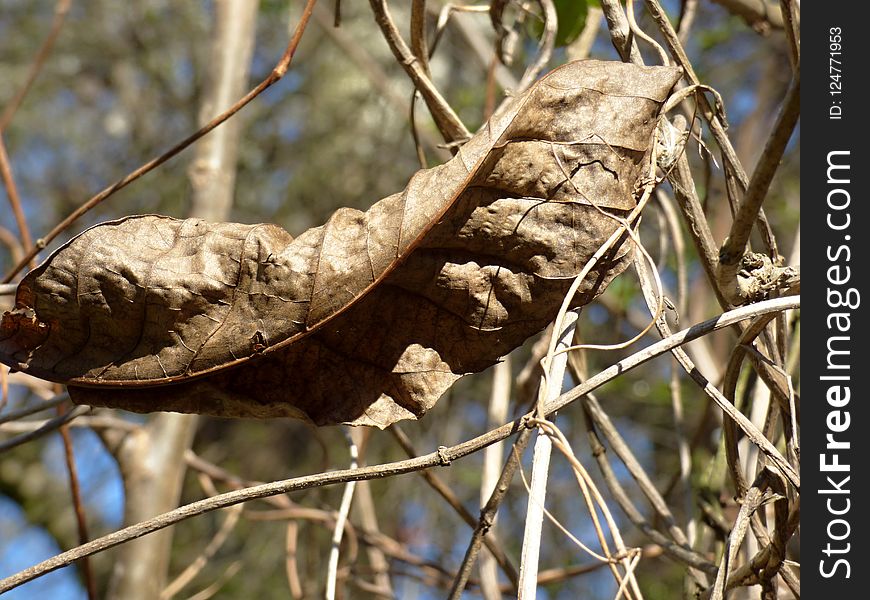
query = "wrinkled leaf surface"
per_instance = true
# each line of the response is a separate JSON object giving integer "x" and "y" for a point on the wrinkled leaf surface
{"x": 369, "y": 318}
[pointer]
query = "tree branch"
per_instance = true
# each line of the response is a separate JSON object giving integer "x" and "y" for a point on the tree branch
{"x": 153, "y": 475}
{"x": 60, "y": 11}
{"x": 448, "y": 122}
{"x": 441, "y": 457}
{"x": 761, "y": 15}
{"x": 276, "y": 75}
{"x": 732, "y": 251}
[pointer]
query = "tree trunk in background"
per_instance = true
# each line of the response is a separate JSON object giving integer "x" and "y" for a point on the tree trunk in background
{"x": 151, "y": 459}
{"x": 213, "y": 171}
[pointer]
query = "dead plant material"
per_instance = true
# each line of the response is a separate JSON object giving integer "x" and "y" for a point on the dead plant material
{"x": 369, "y": 318}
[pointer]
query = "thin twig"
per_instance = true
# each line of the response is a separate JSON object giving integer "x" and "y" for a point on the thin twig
{"x": 11, "y": 241}
{"x": 445, "y": 117}
{"x": 729, "y": 387}
{"x": 756, "y": 192}
{"x": 419, "y": 43}
{"x": 376, "y": 75}
{"x": 14, "y": 415}
{"x": 734, "y": 171}
{"x": 688, "y": 10}
{"x": 623, "y": 229}
{"x": 620, "y": 33}
{"x": 644, "y": 482}
{"x": 420, "y": 48}
{"x": 60, "y": 11}
{"x": 761, "y": 15}
{"x": 713, "y": 117}
{"x": 340, "y": 520}
{"x": 493, "y": 458}
{"x": 559, "y": 574}
{"x": 748, "y": 573}
{"x": 274, "y": 76}
{"x": 399, "y": 551}
{"x": 636, "y": 30}
{"x": 686, "y": 195}
{"x": 721, "y": 401}
{"x": 487, "y": 513}
{"x": 291, "y": 565}
{"x": 75, "y": 492}
{"x": 373, "y": 539}
{"x": 47, "y": 427}
{"x": 792, "y": 24}
{"x": 545, "y": 426}
{"x": 12, "y": 192}
{"x": 549, "y": 389}
{"x": 684, "y": 451}
{"x": 441, "y": 457}
{"x": 595, "y": 503}
{"x": 215, "y": 587}
{"x": 750, "y": 503}
{"x": 443, "y": 490}
{"x": 675, "y": 235}
{"x": 480, "y": 44}
{"x": 545, "y": 46}
{"x": 185, "y": 577}
{"x": 99, "y": 423}
{"x": 680, "y": 552}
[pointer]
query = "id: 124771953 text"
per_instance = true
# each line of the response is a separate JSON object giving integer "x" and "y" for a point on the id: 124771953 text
{"x": 835, "y": 72}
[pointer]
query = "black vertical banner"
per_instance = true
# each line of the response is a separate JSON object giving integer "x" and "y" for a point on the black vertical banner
{"x": 835, "y": 440}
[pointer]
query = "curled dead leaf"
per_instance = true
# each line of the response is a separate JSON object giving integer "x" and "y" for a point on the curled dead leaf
{"x": 369, "y": 318}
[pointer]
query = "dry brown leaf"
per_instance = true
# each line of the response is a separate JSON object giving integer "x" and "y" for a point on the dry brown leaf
{"x": 371, "y": 317}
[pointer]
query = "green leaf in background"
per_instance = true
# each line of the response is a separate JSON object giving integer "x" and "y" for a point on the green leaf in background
{"x": 572, "y": 19}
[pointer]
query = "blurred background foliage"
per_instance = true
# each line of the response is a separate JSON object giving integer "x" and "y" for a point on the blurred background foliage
{"x": 124, "y": 83}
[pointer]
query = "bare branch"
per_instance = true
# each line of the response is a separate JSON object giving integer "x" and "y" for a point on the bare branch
{"x": 688, "y": 10}
{"x": 419, "y": 43}
{"x": 81, "y": 519}
{"x": 60, "y": 11}
{"x": 48, "y": 427}
{"x": 445, "y": 117}
{"x": 12, "y": 193}
{"x": 153, "y": 475}
{"x": 791, "y": 13}
{"x": 276, "y": 75}
{"x": 761, "y": 15}
{"x": 14, "y": 415}
{"x": 620, "y": 32}
{"x": 551, "y": 384}
{"x": 442, "y": 456}
{"x": 732, "y": 252}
